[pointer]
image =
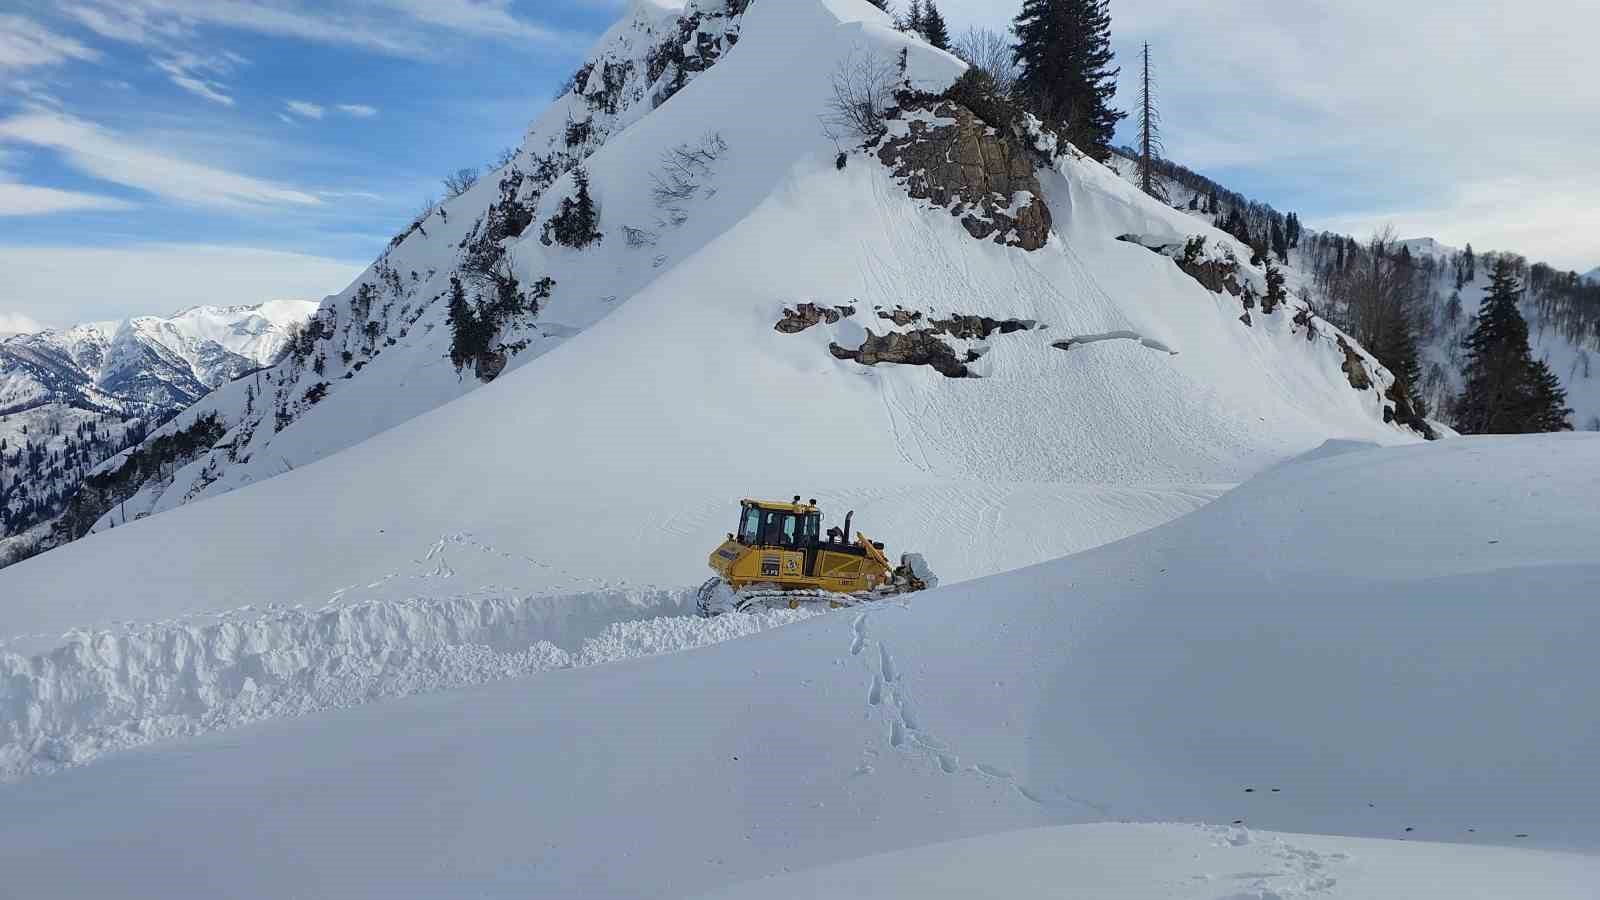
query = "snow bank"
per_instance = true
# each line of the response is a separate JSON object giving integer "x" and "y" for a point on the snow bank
{"x": 1187, "y": 862}
{"x": 106, "y": 690}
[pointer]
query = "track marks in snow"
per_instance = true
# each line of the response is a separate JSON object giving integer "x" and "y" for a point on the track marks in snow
{"x": 1134, "y": 336}
{"x": 1306, "y": 873}
{"x": 889, "y": 695}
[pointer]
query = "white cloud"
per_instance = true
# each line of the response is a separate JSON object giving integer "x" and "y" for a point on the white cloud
{"x": 396, "y": 27}
{"x": 70, "y": 284}
{"x": 25, "y": 43}
{"x": 31, "y": 200}
{"x": 113, "y": 157}
{"x": 303, "y": 108}
{"x": 359, "y": 110}
{"x": 17, "y": 323}
{"x": 1413, "y": 110}
{"x": 184, "y": 69}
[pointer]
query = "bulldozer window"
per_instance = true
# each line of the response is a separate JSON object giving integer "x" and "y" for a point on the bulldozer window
{"x": 750, "y": 526}
{"x": 810, "y": 528}
{"x": 779, "y": 529}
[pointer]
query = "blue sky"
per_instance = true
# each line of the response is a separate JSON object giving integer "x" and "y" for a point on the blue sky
{"x": 159, "y": 153}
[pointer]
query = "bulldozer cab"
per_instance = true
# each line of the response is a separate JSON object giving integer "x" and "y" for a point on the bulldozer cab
{"x": 763, "y": 524}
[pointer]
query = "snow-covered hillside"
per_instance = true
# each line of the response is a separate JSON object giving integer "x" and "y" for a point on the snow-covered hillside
{"x": 71, "y": 398}
{"x": 721, "y": 207}
{"x": 1563, "y": 320}
{"x": 1393, "y": 645}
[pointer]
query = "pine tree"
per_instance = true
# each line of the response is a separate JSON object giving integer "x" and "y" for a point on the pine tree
{"x": 1280, "y": 241}
{"x": 933, "y": 27}
{"x": 1507, "y": 391}
{"x": 1065, "y": 76}
{"x": 914, "y": 18}
{"x": 463, "y": 326}
{"x": 1149, "y": 135}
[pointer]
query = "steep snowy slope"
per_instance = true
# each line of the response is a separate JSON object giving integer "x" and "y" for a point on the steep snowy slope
{"x": 1379, "y": 643}
{"x": 1564, "y": 322}
{"x": 662, "y": 390}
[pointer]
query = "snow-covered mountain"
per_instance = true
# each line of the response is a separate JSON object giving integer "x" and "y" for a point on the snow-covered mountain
{"x": 1112, "y": 343}
{"x": 503, "y": 454}
{"x": 995, "y": 363}
{"x": 71, "y": 398}
{"x": 1593, "y": 275}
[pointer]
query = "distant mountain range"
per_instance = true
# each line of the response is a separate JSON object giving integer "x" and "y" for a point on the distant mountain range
{"x": 70, "y": 398}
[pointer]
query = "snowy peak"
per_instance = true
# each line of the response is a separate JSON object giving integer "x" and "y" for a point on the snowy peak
{"x": 162, "y": 361}
{"x": 1594, "y": 275}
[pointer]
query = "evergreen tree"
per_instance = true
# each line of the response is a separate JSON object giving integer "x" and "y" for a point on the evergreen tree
{"x": 914, "y": 18}
{"x": 1065, "y": 76}
{"x": 1280, "y": 241}
{"x": 464, "y": 326}
{"x": 933, "y": 27}
{"x": 1547, "y": 400}
{"x": 1507, "y": 391}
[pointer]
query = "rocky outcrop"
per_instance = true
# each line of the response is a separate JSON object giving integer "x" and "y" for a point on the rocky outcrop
{"x": 943, "y": 153}
{"x": 977, "y": 328}
{"x": 805, "y": 315}
{"x": 912, "y": 348}
{"x": 1354, "y": 368}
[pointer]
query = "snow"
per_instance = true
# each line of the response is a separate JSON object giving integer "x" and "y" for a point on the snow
{"x": 1379, "y": 643}
{"x": 1184, "y": 862}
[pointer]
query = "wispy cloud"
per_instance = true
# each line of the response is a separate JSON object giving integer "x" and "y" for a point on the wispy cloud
{"x": 305, "y": 109}
{"x": 396, "y": 27}
{"x": 359, "y": 110}
{"x": 113, "y": 157}
{"x": 31, "y": 200}
{"x": 184, "y": 69}
{"x": 25, "y": 43}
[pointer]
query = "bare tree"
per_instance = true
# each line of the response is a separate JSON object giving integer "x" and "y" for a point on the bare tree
{"x": 460, "y": 181}
{"x": 990, "y": 51}
{"x": 503, "y": 158}
{"x": 684, "y": 167}
{"x": 1150, "y": 148}
{"x": 863, "y": 90}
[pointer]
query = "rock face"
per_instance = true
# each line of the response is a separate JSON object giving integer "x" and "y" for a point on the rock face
{"x": 913, "y": 348}
{"x": 945, "y": 154}
{"x": 805, "y": 315}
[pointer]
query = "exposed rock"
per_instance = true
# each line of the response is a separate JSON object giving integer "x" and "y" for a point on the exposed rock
{"x": 982, "y": 176}
{"x": 978, "y": 327}
{"x": 1304, "y": 320}
{"x": 1354, "y": 368}
{"x": 1405, "y": 411}
{"x": 1216, "y": 276}
{"x": 489, "y": 366}
{"x": 900, "y": 316}
{"x": 805, "y": 315}
{"x": 913, "y": 348}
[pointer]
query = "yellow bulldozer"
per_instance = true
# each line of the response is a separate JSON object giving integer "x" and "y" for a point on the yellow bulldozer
{"x": 780, "y": 556}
